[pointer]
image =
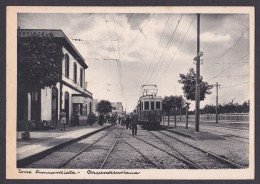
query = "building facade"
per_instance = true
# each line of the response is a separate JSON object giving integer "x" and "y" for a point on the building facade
{"x": 69, "y": 94}
{"x": 117, "y": 107}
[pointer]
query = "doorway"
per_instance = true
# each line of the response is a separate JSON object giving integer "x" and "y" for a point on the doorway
{"x": 67, "y": 105}
{"x": 54, "y": 104}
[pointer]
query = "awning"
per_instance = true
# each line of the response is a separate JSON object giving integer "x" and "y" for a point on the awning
{"x": 79, "y": 99}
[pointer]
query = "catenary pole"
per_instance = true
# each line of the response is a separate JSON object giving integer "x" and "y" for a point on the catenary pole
{"x": 197, "y": 94}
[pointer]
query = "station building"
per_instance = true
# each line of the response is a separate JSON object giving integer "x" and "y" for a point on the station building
{"x": 70, "y": 92}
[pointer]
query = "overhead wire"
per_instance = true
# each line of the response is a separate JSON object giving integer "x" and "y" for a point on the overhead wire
{"x": 110, "y": 35}
{"x": 29, "y": 23}
{"x": 125, "y": 26}
{"x": 229, "y": 67}
{"x": 239, "y": 84}
{"x": 148, "y": 70}
{"x": 170, "y": 61}
{"x": 118, "y": 61}
{"x": 140, "y": 31}
{"x": 166, "y": 47}
{"x": 229, "y": 49}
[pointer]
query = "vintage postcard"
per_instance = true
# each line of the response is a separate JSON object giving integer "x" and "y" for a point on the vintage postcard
{"x": 130, "y": 93}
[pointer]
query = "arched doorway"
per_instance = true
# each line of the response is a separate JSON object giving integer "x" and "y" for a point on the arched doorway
{"x": 67, "y": 105}
{"x": 54, "y": 104}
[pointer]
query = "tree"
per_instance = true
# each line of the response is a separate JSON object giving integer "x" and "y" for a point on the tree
{"x": 104, "y": 107}
{"x": 177, "y": 105}
{"x": 167, "y": 106}
{"x": 189, "y": 85}
{"x": 172, "y": 102}
{"x": 39, "y": 63}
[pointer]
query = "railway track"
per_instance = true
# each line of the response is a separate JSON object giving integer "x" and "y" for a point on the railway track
{"x": 190, "y": 164}
{"x": 64, "y": 163}
{"x": 221, "y": 134}
{"x": 223, "y": 160}
{"x": 145, "y": 157}
{"x": 81, "y": 151}
{"x": 110, "y": 151}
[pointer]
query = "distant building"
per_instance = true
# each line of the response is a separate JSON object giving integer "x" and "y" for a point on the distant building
{"x": 70, "y": 93}
{"x": 117, "y": 107}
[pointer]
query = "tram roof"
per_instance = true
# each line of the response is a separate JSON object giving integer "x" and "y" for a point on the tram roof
{"x": 150, "y": 97}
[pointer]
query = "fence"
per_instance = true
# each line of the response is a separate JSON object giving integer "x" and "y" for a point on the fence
{"x": 230, "y": 117}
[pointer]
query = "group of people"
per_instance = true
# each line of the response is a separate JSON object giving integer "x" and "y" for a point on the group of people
{"x": 131, "y": 122}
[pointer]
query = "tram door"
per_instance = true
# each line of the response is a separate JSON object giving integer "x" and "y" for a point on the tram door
{"x": 54, "y": 104}
{"x": 67, "y": 107}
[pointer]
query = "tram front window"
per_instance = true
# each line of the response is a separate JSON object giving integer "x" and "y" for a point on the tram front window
{"x": 146, "y": 105}
{"x": 152, "y": 105}
{"x": 158, "y": 105}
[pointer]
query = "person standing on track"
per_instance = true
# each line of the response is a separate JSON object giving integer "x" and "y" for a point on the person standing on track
{"x": 134, "y": 121}
{"x": 127, "y": 121}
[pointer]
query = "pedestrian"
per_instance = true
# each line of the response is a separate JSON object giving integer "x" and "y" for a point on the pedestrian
{"x": 91, "y": 119}
{"x": 63, "y": 119}
{"x": 119, "y": 120}
{"x": 76, "y": 118}
{"x": 128, "y": 121}
{"x": 134, "y": 121}
{"x": 101, "y": 119}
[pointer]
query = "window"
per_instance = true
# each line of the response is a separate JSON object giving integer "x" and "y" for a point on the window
{"x": 142, "y": 108}
{"x": 75, "y": 73}
{"x": 81, "y": 77}
{"x": 146, "y": 105}
{"x": 152, "y": 105}
{"x": 113, "y": 108}
{"x": 158, "y": 105}
{"x": 67, "y": 65}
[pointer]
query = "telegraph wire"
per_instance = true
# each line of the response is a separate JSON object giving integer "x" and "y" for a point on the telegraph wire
{"x": 148, "y": 70}
{"x": 166, "y": 48}
{"x": 170, "y": 61}
{"x": 229, "y": 67}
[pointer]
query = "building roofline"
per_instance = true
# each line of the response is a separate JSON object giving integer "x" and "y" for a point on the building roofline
{"x": 68, "y": 41}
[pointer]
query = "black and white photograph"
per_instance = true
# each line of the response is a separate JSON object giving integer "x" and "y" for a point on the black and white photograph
{"x": 131, "y": 93}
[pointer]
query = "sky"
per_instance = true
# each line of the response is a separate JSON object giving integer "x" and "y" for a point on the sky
{"x": 125, "y": 51}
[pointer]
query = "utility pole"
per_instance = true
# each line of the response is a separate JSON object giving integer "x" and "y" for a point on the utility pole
{"x": 197, "y": 94}
{"x": 217, "y": 85}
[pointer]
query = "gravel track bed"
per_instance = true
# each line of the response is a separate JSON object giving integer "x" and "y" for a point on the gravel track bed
{"x": 54, "y": 159}
{"x": 193, "y": 154}
{"x": 125, "y": 157}
{"x": 158, "y": 157}
{"x": 93, "y": 157}
{"x": 233, "y": 150}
